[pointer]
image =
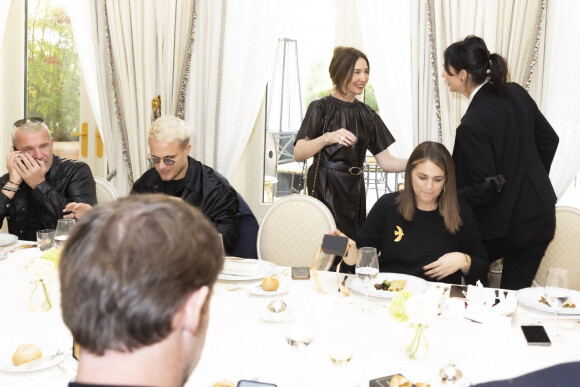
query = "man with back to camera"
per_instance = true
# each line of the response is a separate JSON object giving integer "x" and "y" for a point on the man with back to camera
{"x": 177, "y": 174}
{"x": 136, "y": 278}
{"x": 39, "y": 184}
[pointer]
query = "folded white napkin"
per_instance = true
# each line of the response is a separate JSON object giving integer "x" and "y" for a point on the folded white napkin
{"x": 480, "y": 306}
{"x": 240, "y": 266}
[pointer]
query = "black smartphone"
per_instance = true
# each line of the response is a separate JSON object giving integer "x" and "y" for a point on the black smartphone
{"x": 536, "y": 335}
{"x": 457, "y": 291}
{"x": 252, "y": 383}
{"x": 300, "y": 272}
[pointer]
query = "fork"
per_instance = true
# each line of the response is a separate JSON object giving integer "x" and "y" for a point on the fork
{"x": 22, "y": 246}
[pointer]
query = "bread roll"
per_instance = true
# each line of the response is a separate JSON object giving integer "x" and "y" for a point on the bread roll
{"x": 270, "y": 284}
{"x": 26, "y": 353}
{"x": 224, "y": 383}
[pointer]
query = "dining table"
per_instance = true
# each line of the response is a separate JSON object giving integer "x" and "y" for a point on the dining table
{"x": 247, "y": 341}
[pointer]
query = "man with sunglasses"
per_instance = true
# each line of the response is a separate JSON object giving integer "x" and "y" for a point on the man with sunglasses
{"x": 39, "y": 184}
{"x": 177, "y": 174}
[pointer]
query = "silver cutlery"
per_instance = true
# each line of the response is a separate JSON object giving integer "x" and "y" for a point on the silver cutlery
{"x": 42, "y": 359}
{"x": 22, "y": 246}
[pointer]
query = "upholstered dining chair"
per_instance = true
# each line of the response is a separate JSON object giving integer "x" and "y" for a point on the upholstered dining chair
{"x": 292, "y": 230}
{"x": 564, "y": 250}
{"x": 105, "y": 191}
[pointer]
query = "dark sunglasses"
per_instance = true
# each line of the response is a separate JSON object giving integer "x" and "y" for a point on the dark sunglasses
{"x": 36, "y": 120}
{"x": 156, "y": 160}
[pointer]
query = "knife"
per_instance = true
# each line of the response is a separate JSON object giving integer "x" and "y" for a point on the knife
{"x": 42, "y": 359}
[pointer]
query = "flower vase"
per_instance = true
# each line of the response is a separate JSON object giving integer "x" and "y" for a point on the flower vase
{"x": 418, "y": 349}
{"x": 39, "y": 298}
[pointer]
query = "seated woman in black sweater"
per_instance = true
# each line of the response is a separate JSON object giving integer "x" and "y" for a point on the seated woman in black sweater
{"x": 424, "y": 230}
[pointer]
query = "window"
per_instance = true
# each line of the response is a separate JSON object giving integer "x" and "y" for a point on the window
{"x": 53, "y": 72}
{"x": 299, "y": 76}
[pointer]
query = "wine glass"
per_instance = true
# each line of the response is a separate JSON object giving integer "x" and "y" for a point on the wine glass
{"x": 367, "y": 268}
{"x": 299, "y": 334}
{"x": 63, "y": 228}
{"x": 339, "y": 341}
{"x": 556, "y": 289}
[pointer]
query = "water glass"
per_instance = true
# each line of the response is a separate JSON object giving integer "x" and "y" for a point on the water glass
{"x": 63, "y": 228}
{"x": 45, "y": 239}
{"x": 367, "y": 268}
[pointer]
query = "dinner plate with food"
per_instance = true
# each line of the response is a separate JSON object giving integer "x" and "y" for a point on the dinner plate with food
{"x": 240, "y": 269}
{"x": 387, "y": 285}
{"x": 534, "y": 298}
{"x": 30, "y": 357}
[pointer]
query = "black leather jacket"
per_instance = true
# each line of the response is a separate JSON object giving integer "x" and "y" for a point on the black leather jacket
{"x": 207, "y": 190}
{"x": 66, "y": 181}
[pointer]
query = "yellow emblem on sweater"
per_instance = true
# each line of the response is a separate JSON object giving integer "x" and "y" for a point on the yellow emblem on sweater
{"x": 399, "y": 234}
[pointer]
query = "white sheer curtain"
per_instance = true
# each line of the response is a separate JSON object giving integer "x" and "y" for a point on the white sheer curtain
{"x": 425, "y": 122}
{"x": 202, "y": 90}
{"x": 561, "y": 85}
{"x": 4, "y": 8}
{"x": 147, "y": 62}
{"x": 87, "y": 18}
{"x": 131, "y": 51}
{"x": 507, "y": 27}
{"x": 230, "y": 66}
{"x": 386, "y": 31}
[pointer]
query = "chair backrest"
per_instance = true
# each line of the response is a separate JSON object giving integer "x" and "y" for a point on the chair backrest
{"x": 564, "y": 250}
{"x": 105, "y": 191}
{"x": 292, "y": 230}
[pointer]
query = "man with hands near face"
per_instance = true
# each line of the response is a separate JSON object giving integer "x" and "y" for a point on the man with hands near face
{"x": 39, "y": 185}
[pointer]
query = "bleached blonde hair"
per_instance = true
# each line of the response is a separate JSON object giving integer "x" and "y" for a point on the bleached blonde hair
{"x": 168, "y": 128}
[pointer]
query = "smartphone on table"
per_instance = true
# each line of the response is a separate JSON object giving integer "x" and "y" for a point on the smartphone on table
{"x": 300, "y": 272}
{"x": 252, "y": 383}
{"x": 536, "y": 335}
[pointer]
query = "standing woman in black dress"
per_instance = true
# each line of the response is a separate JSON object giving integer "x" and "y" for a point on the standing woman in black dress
{"x": 339, "y": 129}
{"x": 503, "y": 151}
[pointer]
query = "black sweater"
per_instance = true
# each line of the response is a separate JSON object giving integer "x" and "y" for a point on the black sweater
{"x": 425, "y": 239}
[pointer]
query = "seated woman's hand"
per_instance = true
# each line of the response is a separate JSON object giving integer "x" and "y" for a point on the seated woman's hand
{"x": 446, "y": 265}
{"x": 352, "y": 255}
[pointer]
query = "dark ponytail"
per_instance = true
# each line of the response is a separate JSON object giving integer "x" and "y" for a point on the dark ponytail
{"x": 471, "y": 54}
{"x": 498, "y": 71}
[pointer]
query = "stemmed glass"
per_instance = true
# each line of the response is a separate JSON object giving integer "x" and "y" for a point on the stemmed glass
{"x": 299, "y": 334}
{"x": 367, "y": 268}
{"x": 556, "y": 289}
{"x": 63, "y": 228}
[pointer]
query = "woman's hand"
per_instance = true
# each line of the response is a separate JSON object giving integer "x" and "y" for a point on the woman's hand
{"x": 445, "y": 266}
{"x": 342, "y": 137}
{"x": 352, "y": 256}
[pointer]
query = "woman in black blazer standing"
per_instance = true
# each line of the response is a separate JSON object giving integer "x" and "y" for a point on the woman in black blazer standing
{"x": 503, "y": 150}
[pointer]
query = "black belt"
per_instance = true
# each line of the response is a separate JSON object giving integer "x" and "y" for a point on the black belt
{"x": 343, "y": 167}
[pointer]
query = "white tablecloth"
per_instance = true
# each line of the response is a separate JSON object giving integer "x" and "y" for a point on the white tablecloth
{"x": 241, "y": 345}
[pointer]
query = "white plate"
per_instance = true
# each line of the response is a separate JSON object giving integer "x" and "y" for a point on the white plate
{"x": 6, "y": 364}
{"x": 258, "y": 291}
{"x": 55, "y": 381}
{"x": 263, "y": 269}
{"x": 414, "y": 284}
{"x": 6, "y": 239}
{"x": 530, "y": 296}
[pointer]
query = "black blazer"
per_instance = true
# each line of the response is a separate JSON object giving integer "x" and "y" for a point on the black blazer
{"x": 503, "y": 132}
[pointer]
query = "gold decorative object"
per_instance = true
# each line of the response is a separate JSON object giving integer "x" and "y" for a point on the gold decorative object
{"x": 156, "y": 106}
